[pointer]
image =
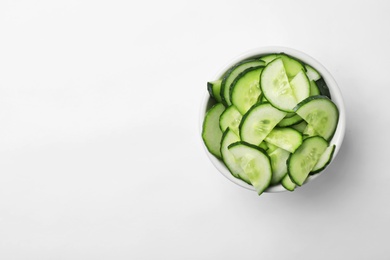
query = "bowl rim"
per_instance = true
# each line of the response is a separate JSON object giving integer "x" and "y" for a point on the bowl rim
{"x": 334, "y": 90}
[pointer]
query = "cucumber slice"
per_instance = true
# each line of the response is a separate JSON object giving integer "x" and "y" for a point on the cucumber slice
{"x": 214, "y": 89}
{"x": 301, "y": 86}
{"x": 278, "y": 159}
{"x": 324, "y": 90}
{"x": 293, "y": 66}
{"x": 309, "y": 131}
{"x": 255, "y": 163}
{"x": 288, "y": 184}
{"x": 229, "y": 160}
{"x": 231, "y": 118}
{"x": 314, "y": 90}
{"x": 271, "y": 147}
{"x": 245, "y": 89}
{"x": 232, "y": 73}
{"x": 311, "y": 73}
{"x": 264, "y": 146}
{"x": 321, "y": 113}
{"x": 303, "y": 160}
{"x": 289, "y": 121}
{"x": 268, "y": 58}
{"x": 258, "y": 122}
{"x": 287, "y": 138}
{"x": 300, "y": 127}
{"x": 275, "y": 86}
{"x": 324, "y": 160}
{"x": 211, "y": 132}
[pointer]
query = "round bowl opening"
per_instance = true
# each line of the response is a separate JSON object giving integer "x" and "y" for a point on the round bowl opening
{"x": 335, "y": 94}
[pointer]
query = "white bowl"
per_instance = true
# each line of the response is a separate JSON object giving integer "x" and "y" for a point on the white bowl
{"x": 333, "y": 89}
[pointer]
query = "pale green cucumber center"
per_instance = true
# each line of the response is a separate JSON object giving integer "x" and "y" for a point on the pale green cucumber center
{"x": 263, "y": 127}
{"x": 310, "y": 160}
{"x": 281, "y": 85}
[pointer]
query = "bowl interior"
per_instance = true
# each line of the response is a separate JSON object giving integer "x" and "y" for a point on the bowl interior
{"x": 333, "y": 89}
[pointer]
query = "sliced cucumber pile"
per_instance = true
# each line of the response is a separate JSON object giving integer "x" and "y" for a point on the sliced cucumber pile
{"x": 272, "y": 121}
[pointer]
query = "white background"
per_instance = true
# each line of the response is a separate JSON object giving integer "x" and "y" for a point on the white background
{"x": 100, "y": 151}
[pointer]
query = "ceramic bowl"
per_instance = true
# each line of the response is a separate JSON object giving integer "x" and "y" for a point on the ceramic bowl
{"x": 334, "y": 90}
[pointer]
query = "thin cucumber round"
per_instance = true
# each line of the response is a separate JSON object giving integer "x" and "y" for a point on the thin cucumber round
{"x": 214, "y": 89}
{"x": 324, "y": 160}
{"x": 287, "y": 183}
{"x": 287, "y": 138}
{"x": 231, "y": 118}
{"x": 229, "y": 160}
{"x": 293, "y": 66}
{"x": 211, "y": 132}
{"x": 231, "y": 75}
{"x": 303, "y": 160}
{"x": 289, "y": 121}
{"x": 314, "y": 90}
{"x": 258, "y": 122}
{"x": 255, "y": 163}
{"x": 278, "y": 159}
{"x": 245, "y": 90}
{"x": 312, "y": 73}
{"x": 300, "y": 85}
{"x": 275, "y": 86}
{"x": 320, "y": 113}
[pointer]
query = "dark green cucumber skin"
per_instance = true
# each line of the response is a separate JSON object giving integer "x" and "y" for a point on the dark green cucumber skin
{"x": 323, "y": 168}
{"x": 250, "y": 145}
{"x": 290, "y": 121}
{"x": 240, "y": 76}
{"x": 310, "y": 98}
{"x": 210, "y": 89}
{"x": 323, "y": 87}
{"x": 286, "y": 187}
{"x": 228, "y": 72}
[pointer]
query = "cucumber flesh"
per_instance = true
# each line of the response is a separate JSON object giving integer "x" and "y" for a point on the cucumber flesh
{"x": 314, "y": 90}
{"x": 287, "y": 138}
{"x": 287, "y": 183}
{"x": 231, "y": 118}
{"x": 321, "y": 113}
{"x": 324, "y": 160}
{"x": 258, "y": 122}
{"x": 278, "y": 159}
{"x": 301, "y": 86}
{"x": 268, "y": 58}
{"x": 293, "y": 67}
{"x": 309, "y": 131}
{"x": 245, "y": 90}
{"x": 214, "y": 89}
{"x": 303, "y": 160}
{"x": 300, "y": 127}
{"x": 231, "y": 75}
{"x": 229, "y": 160}
{"x": 255, "y": 163}
{"x": 311, "y": 73}
{"x": 289, "y": 121}
{"x": 211, "y": 132}
{"x": 275, "y": 85}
